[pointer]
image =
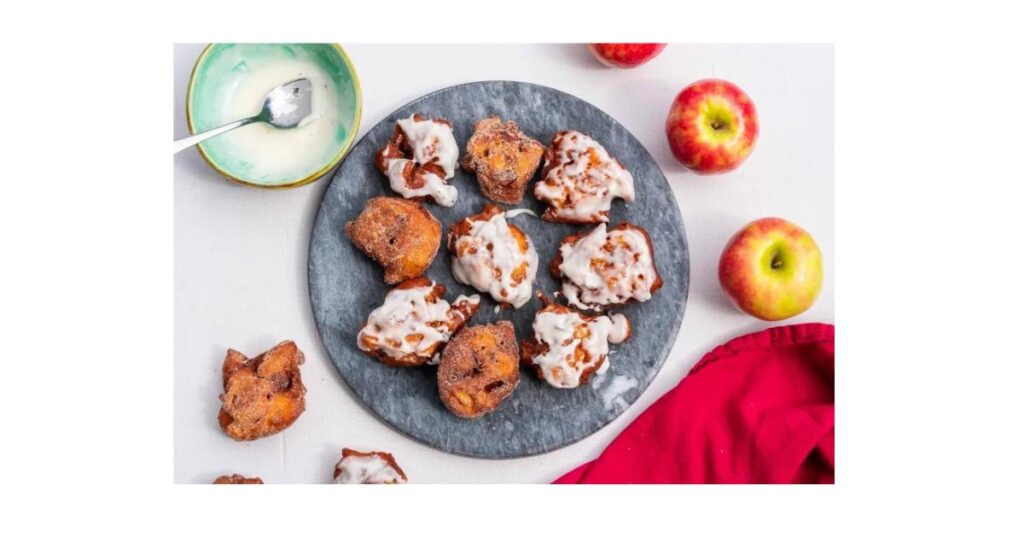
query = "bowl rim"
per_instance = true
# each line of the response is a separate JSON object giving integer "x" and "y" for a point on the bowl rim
{"x": 319, "y": 173}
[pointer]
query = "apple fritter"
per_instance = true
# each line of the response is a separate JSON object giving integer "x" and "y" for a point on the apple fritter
{"x": 493, "y": 256}
{"x": 414, "y": 323}
{"x": 262, "y": 395}
{"x": 420, "y": 158}
{"x": 569, "y": 346}
{"x": 503, "y": 158}
{"x": 607, "y": 267}
{"x": 237, "y": 479}
{"x": 367, "y": 468}
{"x": 580, "y": 179}
{"x": 399, "y": 234}
{"x": 479, "y": 368}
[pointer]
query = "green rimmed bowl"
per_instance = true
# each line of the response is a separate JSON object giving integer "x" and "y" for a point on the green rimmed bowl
{"x": 221, "y": 90}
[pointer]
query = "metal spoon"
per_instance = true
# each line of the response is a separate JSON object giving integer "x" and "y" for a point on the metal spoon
{"x": 285, "y": 107}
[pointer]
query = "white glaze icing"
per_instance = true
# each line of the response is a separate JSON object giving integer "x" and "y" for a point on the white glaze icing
{"x": 594, "y": 277}
{"x": 585, "y": 180}
{"x": 613, "y": 395}
{"x": 270, "y": 155}
{"x": 561, "y": 331}
{"x": 511, "y": 213}
{"x": 490, "y": 255}
{"x": 442, "y": 193}
{"x": 407, "y": 323}
{"x": 371, "y": 469}
{"x": 430, "y": 142}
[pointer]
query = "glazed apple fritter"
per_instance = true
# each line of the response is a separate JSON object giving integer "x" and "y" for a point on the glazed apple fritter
{"x": 414, "y": 323}
{"x": 367, "y": 468}
{"x": 262, "y": 395}
{"x": 503, "y": 158}
{"x": 237, "y": 479}
{"x": 580, "y": 179}
{"x": 569, "y": 346}
{"x": 479, "y": 368}
{"x": 607, "y": 267}
{"x": 420, "y": 158}
{"x": 399, "y": 234}
{"x": 493, "y": 256}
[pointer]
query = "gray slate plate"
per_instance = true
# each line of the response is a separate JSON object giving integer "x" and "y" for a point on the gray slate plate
{"x": 344, "y": 285}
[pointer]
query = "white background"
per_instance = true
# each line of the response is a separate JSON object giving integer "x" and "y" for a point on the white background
{"x": 240, "y": 253}
{"x": 927, "y": 220}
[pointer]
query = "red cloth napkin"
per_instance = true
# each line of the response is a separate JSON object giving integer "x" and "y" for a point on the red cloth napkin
{"x": 758, "y": 409}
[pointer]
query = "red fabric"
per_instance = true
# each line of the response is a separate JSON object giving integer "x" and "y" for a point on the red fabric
{"x": 758, "y": 409}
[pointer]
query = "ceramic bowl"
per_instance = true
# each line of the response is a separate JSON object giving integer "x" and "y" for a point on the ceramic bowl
{"x": 214, "y": 97}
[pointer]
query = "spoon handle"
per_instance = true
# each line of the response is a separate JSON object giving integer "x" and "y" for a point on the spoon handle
{"x": 197, "y": 138}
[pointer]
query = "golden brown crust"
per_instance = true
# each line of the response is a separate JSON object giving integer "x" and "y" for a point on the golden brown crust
{"x": 420, "y": 282}
{"x": 462, "y": 311}
{"x": 463, "y": 227}
{"x": 479, "y": 368}
{"x": 405, "y": 361}
{"x": 400, "y": 235}
{"x": 551, "y": 216}
{"x": 572, "y": 239}
{"x": 556, "y": 261}
{"x": 262, "y": 395}
{"x": 503, "y": 158}
{"x": 532, "y": 347}
{"x": 466, "y": 310}
{"x": 237, "y": 479}
{"x": 386, "y": 456}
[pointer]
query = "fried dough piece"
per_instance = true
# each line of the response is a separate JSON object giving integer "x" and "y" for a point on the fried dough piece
{"x": 367, "y": 468}
{"x": 569, "y": 346}
{"x": 479, "y": 368}
{"x": 414, "y": 322}
{"x": 237, "y": 479}
{"x": 399, "y": 234}
{"x": 503, "y": 158}
{"x": 420, "y": 158}
{"x": 493, "y": 256}
{"x": 580, "y": 179}
{"x": 607, "y": 267}
{"x": 262, "y": 395}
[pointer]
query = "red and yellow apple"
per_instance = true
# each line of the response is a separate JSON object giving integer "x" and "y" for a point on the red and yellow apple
{"x": 771, "y": 269}
{"x": 627, "y": 55}
{"x": 711, "y": 126}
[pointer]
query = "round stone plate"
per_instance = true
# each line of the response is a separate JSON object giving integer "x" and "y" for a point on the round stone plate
{"x": 344, "y": 285}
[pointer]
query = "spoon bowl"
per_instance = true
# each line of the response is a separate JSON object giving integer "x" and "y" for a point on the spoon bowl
{"x": 261, "y": 155}
{"x": 288, "y": 104}
{"x": 285, "y": 107}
